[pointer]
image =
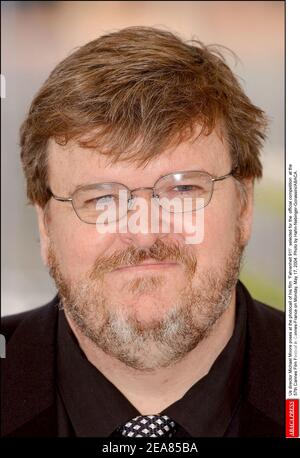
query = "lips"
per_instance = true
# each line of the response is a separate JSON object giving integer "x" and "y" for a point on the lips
{"x": 148, "y": 265}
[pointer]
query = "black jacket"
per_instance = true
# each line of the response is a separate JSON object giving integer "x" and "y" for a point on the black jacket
{"x": 29, "y": 379}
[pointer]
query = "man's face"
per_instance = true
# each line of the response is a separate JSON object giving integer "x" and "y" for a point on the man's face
{"x": 147, "y": 316}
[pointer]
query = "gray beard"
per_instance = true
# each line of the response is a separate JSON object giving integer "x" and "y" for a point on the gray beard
{"x": 159, "y": 344}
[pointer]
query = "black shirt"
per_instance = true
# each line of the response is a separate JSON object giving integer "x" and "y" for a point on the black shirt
{"x": 89, "y": 405}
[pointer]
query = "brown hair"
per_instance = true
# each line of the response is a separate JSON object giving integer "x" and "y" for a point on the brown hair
{"x": 133, "y": 93}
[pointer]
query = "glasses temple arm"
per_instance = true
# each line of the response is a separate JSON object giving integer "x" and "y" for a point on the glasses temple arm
{"x": 225, "y": 176}
{"x": 59, "y": 198}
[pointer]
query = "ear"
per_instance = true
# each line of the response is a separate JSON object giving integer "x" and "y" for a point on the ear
{"x": 246, "y": 208}
{"x": 44, "y": 237}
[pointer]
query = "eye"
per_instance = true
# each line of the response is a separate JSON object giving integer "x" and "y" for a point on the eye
{"x": 101, "y": 200}
{"x": 106, "y": 199}
{"x": 187, "y": 188}
{"x": 184, "y": 187}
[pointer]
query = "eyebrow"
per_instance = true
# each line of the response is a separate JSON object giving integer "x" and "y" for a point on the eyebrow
{"x": 90, "y": 183}
{"x": 78, "y": 186}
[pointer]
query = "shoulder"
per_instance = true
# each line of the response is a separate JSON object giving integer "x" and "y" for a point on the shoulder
{"x": 10, "y": 324}
{"x": 267, "y": 316}
{"x": 266, "y": 333}
{"x": 267, "y": 312}
{"x": 261, "y": 315}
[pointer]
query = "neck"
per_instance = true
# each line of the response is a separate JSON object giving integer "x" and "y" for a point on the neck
{"x": 151, "y": 393}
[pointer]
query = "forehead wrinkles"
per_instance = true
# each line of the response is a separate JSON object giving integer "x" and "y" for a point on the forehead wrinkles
{"x": 83, "y": 165}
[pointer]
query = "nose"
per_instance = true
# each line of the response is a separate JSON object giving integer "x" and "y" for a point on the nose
{"x": 142, "y": 241}
{"x": 143, "y": 227}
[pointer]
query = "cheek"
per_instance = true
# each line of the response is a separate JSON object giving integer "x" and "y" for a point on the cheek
{"x": 77, "y": 246}
{"x": 220, "y": 223}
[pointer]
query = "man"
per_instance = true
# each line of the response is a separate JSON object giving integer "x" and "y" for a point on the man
{"x": 151, "y": 333}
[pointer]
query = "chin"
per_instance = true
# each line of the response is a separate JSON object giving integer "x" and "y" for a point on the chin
{"x": 146, "y": 307}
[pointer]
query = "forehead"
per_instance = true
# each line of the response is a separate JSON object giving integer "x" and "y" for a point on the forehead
{"x": 71, "y": 166}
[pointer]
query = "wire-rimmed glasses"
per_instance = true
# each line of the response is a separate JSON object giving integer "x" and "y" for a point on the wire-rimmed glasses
{"x": 193, "y": 186}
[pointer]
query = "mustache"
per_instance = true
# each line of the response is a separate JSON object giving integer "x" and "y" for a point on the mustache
{"x": 159, "y": 251}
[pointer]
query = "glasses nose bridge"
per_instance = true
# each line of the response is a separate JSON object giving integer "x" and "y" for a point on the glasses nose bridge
{"x": 141, "y": 188}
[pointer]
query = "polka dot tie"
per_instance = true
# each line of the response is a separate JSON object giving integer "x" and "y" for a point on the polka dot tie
{"x": 148, "y": 426}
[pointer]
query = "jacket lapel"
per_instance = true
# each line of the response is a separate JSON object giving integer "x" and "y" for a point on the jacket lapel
{"x": 264, "y": 400}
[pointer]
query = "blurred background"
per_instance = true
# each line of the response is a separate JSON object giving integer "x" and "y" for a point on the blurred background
{"x": 37, "y": 35}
